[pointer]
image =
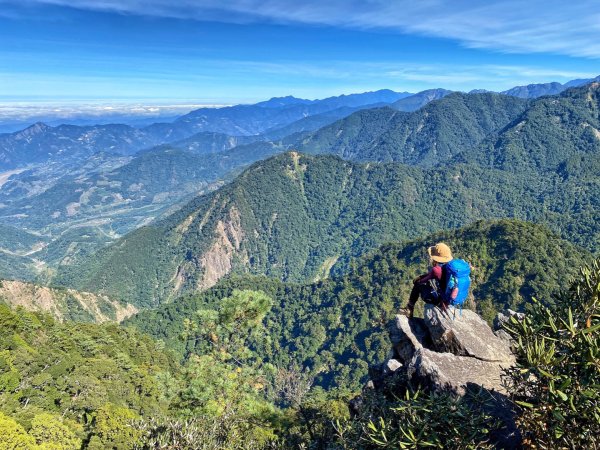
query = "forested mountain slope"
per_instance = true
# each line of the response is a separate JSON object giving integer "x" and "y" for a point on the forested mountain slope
{"x": 118, "y": 194}
{"x": 336, "y": 326}
{"x": 535, "y": 90}
{"x": 553, "y": 134}
{"x": 433, "y": 134}
{"x": 313, "y": 123}
{"x": 127, "y": 195}
{"x": 75, "y": 212}
{"x": 41, "y": 143}
{"x": 295, "y": 216}
{"x": 209, "y": 142}
{"x": 17, "y": 241}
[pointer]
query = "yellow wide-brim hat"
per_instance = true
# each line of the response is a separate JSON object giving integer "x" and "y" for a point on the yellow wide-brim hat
{"x": 440, "y": 252}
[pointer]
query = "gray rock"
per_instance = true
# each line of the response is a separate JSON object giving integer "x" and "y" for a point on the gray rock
{"x": 407, "y": 335}
{"x": 447, "y": 353}
{"x": 464, "y": 333}
{"x": 505, "y": 316}
{"x": 448, "y": 372}
{"x": 369, "y": 385}
{"x": 391, "y": 366}
{"x": 501, "y": 334}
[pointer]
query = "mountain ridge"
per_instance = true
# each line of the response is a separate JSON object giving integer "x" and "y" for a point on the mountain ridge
{"x": 543, "y": 89}
{"x": 438, "y": 131}
{"x": 295, "y": 216}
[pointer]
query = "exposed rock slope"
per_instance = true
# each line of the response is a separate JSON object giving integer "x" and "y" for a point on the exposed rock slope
{"x": 64, "y": 304}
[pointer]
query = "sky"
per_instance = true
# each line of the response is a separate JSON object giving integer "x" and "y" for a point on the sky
{"x": 214, "y": 52}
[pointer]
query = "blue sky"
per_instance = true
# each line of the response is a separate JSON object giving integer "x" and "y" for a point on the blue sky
{"x": 203, "y": 52}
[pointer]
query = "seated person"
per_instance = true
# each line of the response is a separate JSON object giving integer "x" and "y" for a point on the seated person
{"x": 430, "y": 286}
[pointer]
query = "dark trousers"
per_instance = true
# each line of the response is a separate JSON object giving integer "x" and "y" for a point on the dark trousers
{"x": 428, "y": 291}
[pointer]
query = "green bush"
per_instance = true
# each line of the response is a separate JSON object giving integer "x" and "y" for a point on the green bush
{"x": 13, "y": 436}
{"x": 418, "y": 420}
{"x": 556, "y": 384}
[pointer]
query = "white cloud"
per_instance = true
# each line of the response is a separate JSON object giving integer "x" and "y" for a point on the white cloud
{"x": 25, "y": 111}
{"x": 506, "y": 25}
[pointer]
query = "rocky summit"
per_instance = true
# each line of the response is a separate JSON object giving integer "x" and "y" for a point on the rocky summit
{"x": 448, "y": 350}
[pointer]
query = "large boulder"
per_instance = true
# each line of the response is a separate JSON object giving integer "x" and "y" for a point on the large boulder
{"x": 447, "y": 352}
{"x": 459, "y": 354}
{"x": 464, "y": 333}
{"x": 445, "y": 371}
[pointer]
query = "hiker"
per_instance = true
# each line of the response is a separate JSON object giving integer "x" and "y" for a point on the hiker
{"x": 447, "y": 283}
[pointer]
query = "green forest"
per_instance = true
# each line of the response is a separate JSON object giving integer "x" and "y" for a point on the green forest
{"x": 336, "y": 327}
{"x": 255, "y": 363}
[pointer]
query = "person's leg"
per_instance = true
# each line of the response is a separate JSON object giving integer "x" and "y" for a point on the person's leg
{"x": 414, "y": 296}
{"x": 424, "y": 290}
{"x": 412, "y": 301}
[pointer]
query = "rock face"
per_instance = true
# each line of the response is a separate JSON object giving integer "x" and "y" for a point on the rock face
{"x": 447, "y": 351}
{"x": 450, "y": 351}
{"x": 64, "y": 304}
{"x": 464, "y": 333}
{"x": 445, "y": 371}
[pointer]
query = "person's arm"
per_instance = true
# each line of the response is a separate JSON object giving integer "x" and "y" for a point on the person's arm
{"x": 425, "y": 277}
{"x": 418, "y": 279}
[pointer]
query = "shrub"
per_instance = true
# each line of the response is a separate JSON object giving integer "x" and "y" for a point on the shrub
{"x": 556, "y": 384}
{"x": 418, "y": 420}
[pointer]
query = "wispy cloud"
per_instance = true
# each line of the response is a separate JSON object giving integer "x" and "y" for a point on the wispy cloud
{"x": 453, "y": 76}
{"x": 505, "y": 25}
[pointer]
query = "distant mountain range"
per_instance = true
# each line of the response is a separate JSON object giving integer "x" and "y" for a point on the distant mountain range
{"x": 541, "y": 89}
{"x": 80, "y": 188}
{"x": 215, "y": 127}
{"x": 296, "y": 217}
{"x": 41, "y": 143}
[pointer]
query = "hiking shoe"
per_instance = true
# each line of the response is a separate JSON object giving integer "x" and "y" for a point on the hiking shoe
{"x": 408, "y": 312}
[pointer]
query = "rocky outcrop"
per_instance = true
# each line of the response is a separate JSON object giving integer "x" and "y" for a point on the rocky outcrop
{"x": 447, "y": 350}
{"x": 464, "y": 333}
{"x": 445, "y": 371}
{"x": 450, "y": 351}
